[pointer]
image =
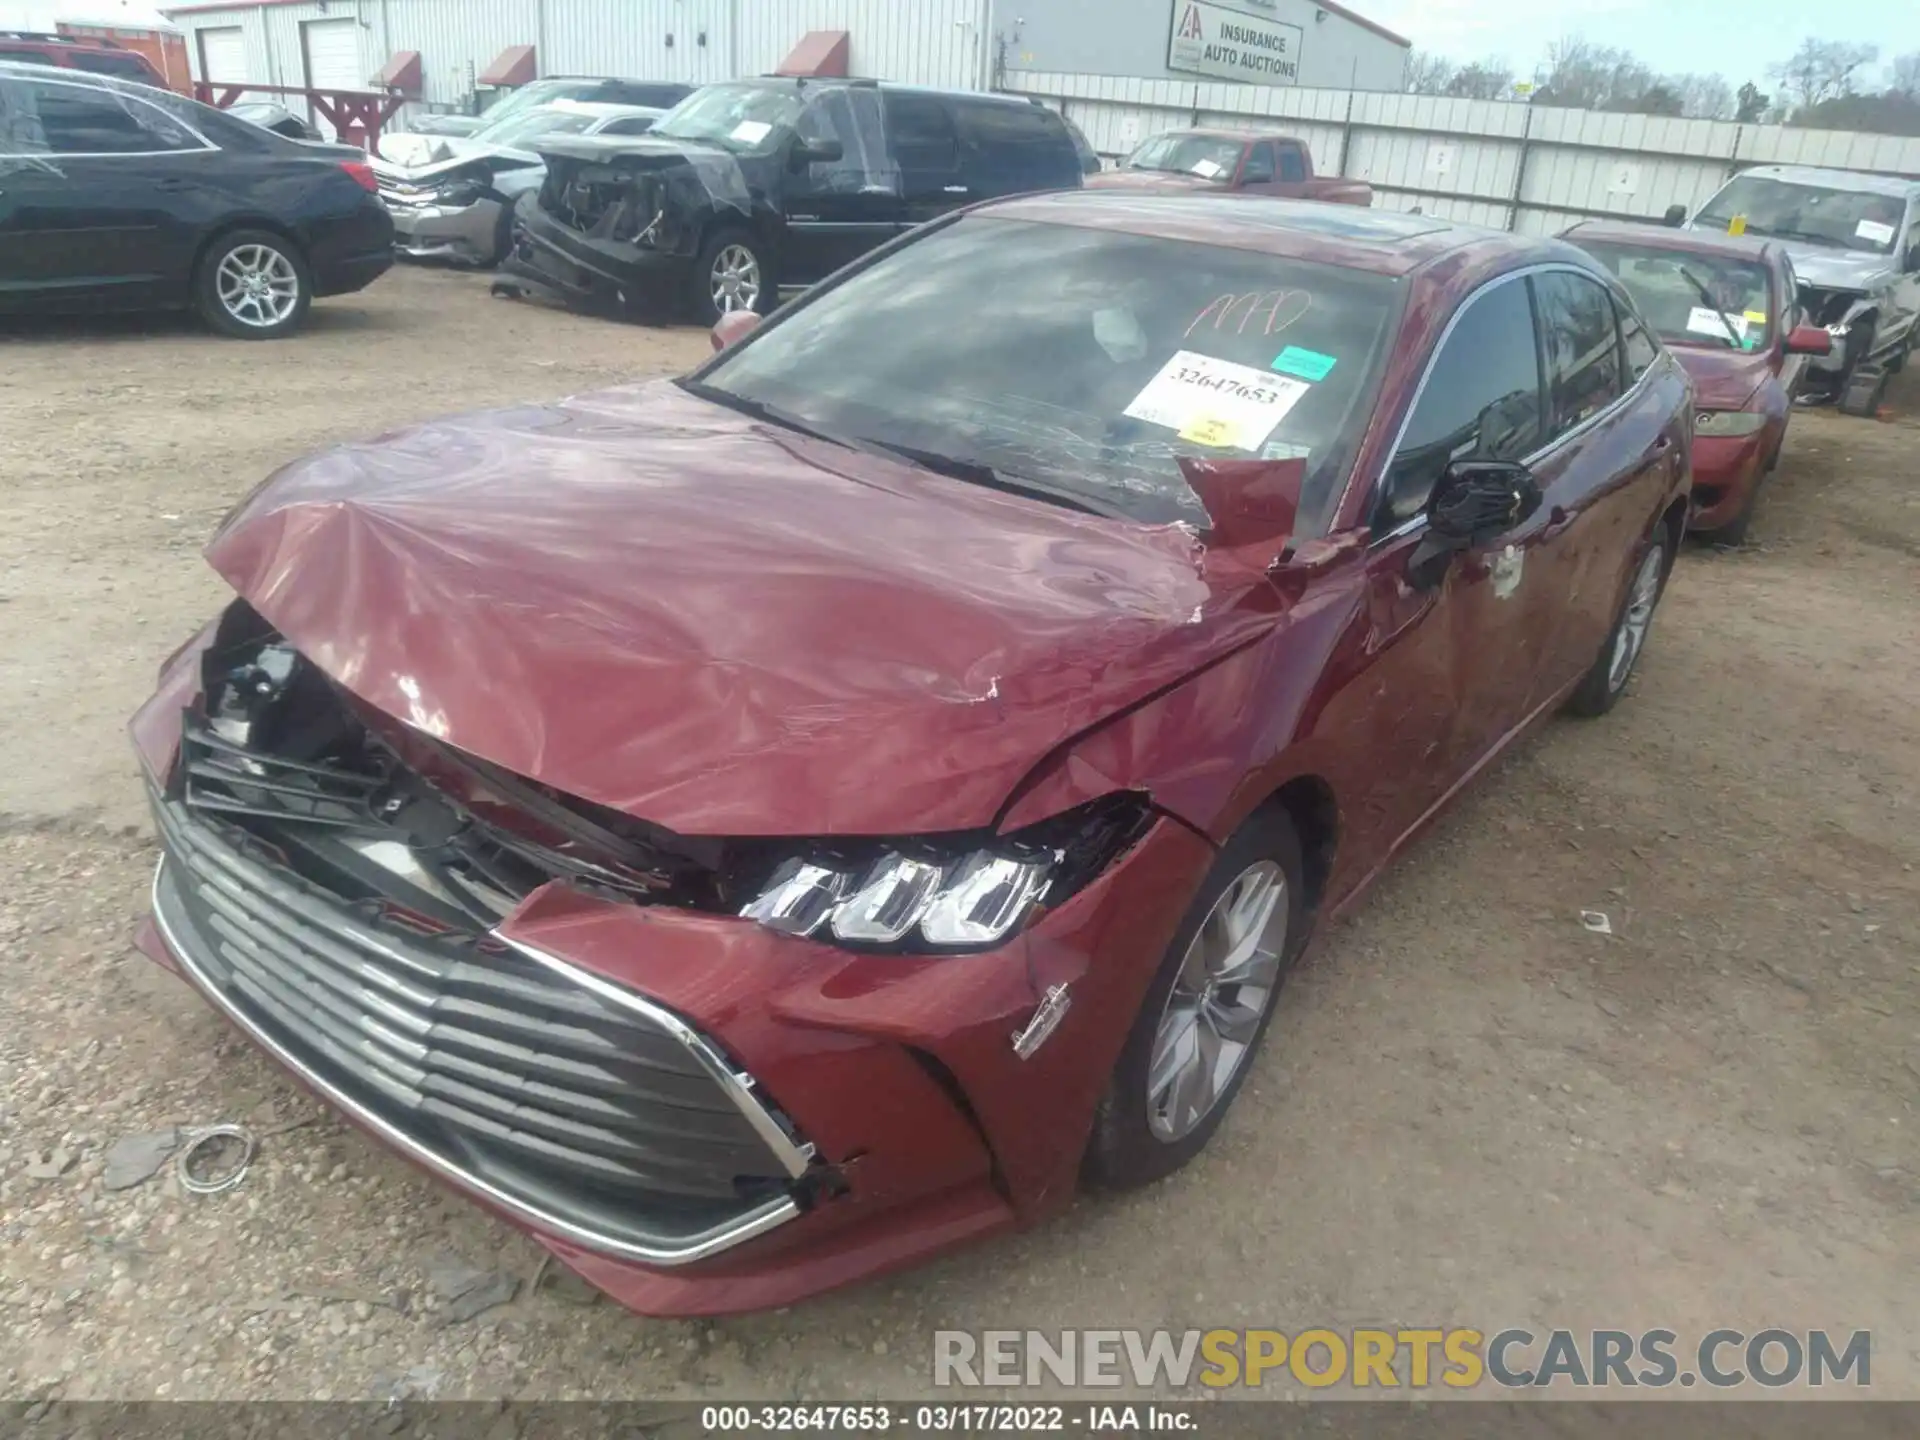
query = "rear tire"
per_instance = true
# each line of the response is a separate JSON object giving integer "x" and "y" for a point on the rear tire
{"x": 1144, "y": 1129}
{"x": 253, "y": 285}
{"x": 1607, "y": 681}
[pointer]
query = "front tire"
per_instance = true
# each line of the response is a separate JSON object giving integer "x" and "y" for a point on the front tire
{"x": 1863, "y": 385}
{"x": 1606, "y": 682}
{"x": 732, "y": 274}
{"x": 1200, "y": 1024}
{"x": 253, "y": 285}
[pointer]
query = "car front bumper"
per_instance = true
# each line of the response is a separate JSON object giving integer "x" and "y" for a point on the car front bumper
{"x": 1726, "y": 471}
{"x": 468, "y": 233}
{"x": 892, "y": 1079}
{"x": 611, "y": 275}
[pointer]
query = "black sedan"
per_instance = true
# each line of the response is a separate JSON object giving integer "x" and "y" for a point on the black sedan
{"x": 115, "y": 196}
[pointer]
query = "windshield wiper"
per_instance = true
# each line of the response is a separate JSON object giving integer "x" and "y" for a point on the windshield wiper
{"x": 978, "y": 472}
{"x": 762, "y": 410}
{"x": 1728, "y": 333}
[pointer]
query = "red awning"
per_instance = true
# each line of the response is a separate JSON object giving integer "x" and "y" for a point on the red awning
{"x": 820, "y": 53}
{"x": 401, "y": 72}
{"x": 514, "y": 65}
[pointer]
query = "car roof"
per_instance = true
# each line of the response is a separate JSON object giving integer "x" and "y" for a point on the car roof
{"x": 1835, "y": 179}
{"x": 1387, "y": 242}
{"x": 1666, "y": 237}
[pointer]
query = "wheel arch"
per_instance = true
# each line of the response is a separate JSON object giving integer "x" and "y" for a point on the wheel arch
{"x": 231, "y": 224}
{"x": 1308, "y": 802}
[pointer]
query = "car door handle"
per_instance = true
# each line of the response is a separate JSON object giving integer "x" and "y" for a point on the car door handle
{"x": 174, "y": 183}
{"x": 954, "y": 190}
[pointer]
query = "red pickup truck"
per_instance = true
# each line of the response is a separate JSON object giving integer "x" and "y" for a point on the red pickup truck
{"x": 1240, "y": 160}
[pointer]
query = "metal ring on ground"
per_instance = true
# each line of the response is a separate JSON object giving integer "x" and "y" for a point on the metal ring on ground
{"x": 199, "y": 1141}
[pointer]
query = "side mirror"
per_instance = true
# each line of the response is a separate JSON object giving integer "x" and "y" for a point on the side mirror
{"x": 816, "y": 150}
{"x": 1809, "y": 340}
{"x": 1474, "y": 503}
{"x": 734, "y": 326}
{"x": 1676, "y": 216}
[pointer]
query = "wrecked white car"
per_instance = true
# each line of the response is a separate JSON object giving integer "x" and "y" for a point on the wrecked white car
{"x": 1854, "y": 241}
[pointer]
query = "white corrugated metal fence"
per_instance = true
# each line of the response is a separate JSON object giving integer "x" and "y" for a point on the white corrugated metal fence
{"x": 1507, "y": 165}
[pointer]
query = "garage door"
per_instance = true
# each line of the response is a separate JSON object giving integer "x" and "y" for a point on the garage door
{"x": 223, "y": 54}
{"x": 332, "y": 50}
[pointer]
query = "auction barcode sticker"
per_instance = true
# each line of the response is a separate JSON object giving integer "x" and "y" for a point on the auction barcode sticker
{"x": 1216, "y": 402}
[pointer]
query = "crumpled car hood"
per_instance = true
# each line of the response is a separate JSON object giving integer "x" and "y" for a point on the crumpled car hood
{"x": 716, "y": 625}
{"x": 1841, "y": 269}
{"x": 457, "y": 158}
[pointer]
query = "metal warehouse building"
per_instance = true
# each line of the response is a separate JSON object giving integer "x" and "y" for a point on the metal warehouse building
{"x": 962, "y": 44}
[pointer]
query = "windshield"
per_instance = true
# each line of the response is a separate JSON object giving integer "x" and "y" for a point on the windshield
{"x": 1848, "y": 219}
{"x": 1103, "y": 357}
{"x": 738, "y": 117}
{"x": 1207, "y": 156}
{"x": 1735, "y": 311}
{"x": 530, "y": 124}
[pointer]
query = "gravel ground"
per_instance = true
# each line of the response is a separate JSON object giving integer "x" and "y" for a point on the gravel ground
{"x": 1470, "y": 1110}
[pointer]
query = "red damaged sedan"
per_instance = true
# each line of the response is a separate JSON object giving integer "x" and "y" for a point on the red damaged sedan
{"x": 760, "y": 829}
{"x": 1727, "y": 304}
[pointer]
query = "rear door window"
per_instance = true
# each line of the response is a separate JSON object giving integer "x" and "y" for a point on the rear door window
{"x": 1581, "y": 341}
{"x": 1293, "y": 165}
{"x": 924, "y": 141}
{"x": 1480, "y": 401}
{"x": 1011, "y": 147}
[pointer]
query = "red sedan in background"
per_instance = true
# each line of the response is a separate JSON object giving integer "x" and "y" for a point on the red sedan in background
{"x": 761, "y": 829}
{"x": 1727, "y": 306}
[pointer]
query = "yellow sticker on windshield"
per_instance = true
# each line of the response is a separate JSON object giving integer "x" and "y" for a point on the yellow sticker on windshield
{"x": 1756, "y": 317}
{"x": 1737, "y": 225}
{"x": 1208, "y": 430}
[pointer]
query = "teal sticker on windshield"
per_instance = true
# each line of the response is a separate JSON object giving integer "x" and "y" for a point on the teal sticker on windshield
{"x": 1307, "y": 364}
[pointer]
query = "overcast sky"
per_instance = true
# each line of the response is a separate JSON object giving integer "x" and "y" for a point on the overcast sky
{"x": 1735, "y": 38}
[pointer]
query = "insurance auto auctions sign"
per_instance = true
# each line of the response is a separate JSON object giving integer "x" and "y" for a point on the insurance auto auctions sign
{"x": 1233, "y": 45}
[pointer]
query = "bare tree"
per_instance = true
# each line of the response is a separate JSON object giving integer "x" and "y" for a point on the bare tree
{"x": 1703, "y": 97}
{"x": 1904, "y": 77}
{"x": 1429, "y": 74}
{"x": 1752, "y": 104}
{"x": 1483, "y": 80}
{"x": 1822, "y": 70}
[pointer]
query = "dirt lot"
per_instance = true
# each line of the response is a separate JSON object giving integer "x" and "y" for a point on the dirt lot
{"x": 1470, "y": 1111}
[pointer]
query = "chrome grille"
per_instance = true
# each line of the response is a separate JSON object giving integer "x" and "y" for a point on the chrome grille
{"x": 610, "y": 1117}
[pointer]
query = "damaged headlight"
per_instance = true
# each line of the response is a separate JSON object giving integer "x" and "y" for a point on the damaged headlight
{"x": 1728, "y": 423}
{"x": 459, "y": 192}
{"x": 957, "y": 894}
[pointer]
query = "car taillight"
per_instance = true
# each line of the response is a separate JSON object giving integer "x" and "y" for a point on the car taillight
{"x": 362, "y": 172}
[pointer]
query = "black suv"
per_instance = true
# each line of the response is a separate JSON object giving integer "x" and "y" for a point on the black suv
{"x": 123, "y": 197}
{"x": 753, "y": 185}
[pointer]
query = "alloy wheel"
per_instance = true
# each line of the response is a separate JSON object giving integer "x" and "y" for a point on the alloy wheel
{"x": 257, "y": 285}
{"x": 1213, "y": 1012}
{"x": 735, "y": 281}
{"x": 1632, "y": 635}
